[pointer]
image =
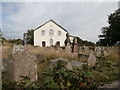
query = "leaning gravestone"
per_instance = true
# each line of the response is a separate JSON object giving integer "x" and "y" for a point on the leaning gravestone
{"x": 69, "y": 63}
{"x": 91, "y": 60}
{"x": 24, "y": 64}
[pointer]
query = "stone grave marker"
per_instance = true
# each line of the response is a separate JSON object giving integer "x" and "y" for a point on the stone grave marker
{"x": 57, "y": 48}
{"x": 75, "y": 46}
{"x": 98, "y": 51}
{"x": 68, "y": 48}
{"x": 69, "y": 63}
{"x": 105, "y": 53}
{"x": 21, "y": 63}
{"x": 86, "y": 49}
{"x": 91, "y": 60}
{"x": 24, "y": 65}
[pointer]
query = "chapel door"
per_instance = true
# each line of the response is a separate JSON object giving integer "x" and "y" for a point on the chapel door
{"x": 43, "y": 44}
{"x": 58, "y": 43}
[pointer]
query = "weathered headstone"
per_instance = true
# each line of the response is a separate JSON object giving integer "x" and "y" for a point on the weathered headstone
{"x": 24, "y": 65}
{"x": 105, "y": 53}
{"x": 86, "y": 49}
{"x": 69, "y": 63}
{"x": 102, "y": 51}
{"x": 57, "y": 48}
{"x": 68, "y": 48}
{"x": 21, "y": 63}
{"x": 98, "y": 51}
{"x": 75, "y": 46}
{"x": 91, "y": 60}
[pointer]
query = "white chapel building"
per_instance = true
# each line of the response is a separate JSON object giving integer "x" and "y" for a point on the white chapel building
{"x": 50, "y": 33}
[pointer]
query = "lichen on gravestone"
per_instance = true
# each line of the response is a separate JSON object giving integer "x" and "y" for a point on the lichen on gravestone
{"x": 21, "y": 63}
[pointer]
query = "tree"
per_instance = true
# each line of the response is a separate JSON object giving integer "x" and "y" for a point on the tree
{"x": 111, "y": 34}
{"x": 29, "y": 36}
{"x": 84, "y": 42}
{"x": 16, "y": 41}
{"x": 67, "y": 39}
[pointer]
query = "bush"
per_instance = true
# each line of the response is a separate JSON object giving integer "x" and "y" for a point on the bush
{"x": 60, "y": 77}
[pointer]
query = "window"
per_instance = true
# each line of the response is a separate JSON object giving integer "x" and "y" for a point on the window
{"x": 51, "y": 32}
{"x": 43, "y": 33}
{"x": 59, "y": 33}
{"x": 51, "y": 42}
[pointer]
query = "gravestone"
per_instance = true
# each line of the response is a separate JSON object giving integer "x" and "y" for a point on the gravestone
{"x": 86, "y": 49}
{"x": 68, "y": 48}
{"x": 69, "y": 63}
{"x": 21, "y": 63}
{"x": 98, "y": 51}
{"x": 91, "y": 60}
{"x": 57, "y": 48}
{"x": 25, "y": 65}
{"x": 102, "y": 51}
{"x": 105, "y": 53}
{"x": 75, "y": 46}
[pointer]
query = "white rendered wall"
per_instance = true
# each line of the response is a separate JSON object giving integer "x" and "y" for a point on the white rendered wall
{"x": 38, "y": 38}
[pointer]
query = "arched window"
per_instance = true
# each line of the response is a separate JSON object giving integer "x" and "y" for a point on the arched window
{"x": 51, "y": 42}
{"x": 43, "y": 33}
{"x": 59, "y": 33}
{"x": 51, "y": 32}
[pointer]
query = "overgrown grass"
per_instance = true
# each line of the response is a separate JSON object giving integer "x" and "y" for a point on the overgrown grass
{"x": 6, "y": 52}
{"x": 79, "y": 78}
{"x": 105, "y": 70}
{"x": 50, "y": 53}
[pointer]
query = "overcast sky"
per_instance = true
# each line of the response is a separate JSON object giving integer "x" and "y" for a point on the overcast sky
{"x": 82, "y": 19}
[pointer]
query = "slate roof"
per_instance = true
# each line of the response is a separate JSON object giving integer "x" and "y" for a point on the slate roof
{"x": 54, "y": 23}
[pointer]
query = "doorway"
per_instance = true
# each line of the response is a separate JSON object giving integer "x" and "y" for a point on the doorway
{"x": 58, "y": 43}
{"x": 43, "y": 44}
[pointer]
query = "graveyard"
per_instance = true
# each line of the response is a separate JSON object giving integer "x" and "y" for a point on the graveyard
{"x": 88, "y": 67}
{"x": 48, "y": 56}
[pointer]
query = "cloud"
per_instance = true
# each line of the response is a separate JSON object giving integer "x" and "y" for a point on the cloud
{"x": 83, "y": 19}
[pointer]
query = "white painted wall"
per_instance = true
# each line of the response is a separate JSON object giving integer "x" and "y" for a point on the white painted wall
{"x": 38, "y": 38}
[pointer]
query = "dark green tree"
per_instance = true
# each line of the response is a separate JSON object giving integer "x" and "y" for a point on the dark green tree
{"x": 15, "y": 41}
{"x": 84, "y": 42}
{"x": 111, "y": 34}
{"x": 29, "y": 36}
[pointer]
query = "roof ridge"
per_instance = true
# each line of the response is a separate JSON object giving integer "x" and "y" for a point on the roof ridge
{"x": 53, "y": 22}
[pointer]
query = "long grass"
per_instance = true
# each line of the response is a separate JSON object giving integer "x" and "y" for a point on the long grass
{"x": 50, "y": 53}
